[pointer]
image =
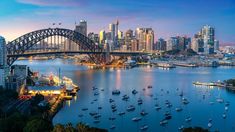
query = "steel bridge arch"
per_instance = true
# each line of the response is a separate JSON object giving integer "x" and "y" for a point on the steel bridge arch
{"x": 25, "y": 42}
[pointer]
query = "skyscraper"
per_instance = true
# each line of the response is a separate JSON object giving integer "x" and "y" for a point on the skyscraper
{"x": 161, "y": 45}
{"x": 208, "y": 35}
{"x": 102, "y": 37}
{"x": 82, "y": 27}
{"x": 2, "y": 61}
{"x": 216, "y": 45}
{"x": 197, "y": 44}
{"x": 172, "y": 43}
{"x": 146, "y": 38}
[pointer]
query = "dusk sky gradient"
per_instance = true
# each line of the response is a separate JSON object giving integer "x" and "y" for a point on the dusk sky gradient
{"x": 166, "y": 17}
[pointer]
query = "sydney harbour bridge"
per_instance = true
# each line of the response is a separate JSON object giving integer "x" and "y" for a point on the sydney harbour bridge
{"x": 53, "y": 41}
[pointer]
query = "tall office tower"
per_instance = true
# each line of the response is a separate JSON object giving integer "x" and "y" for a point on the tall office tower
{"x": 102, "y": 37}
{"x": 161, "y": 45}
{"x": 120, "y": 34}
{"x": 2, "y": 61}
{"x": 146, "y": 38}
{"x": 128, "y": 38}
{"x": 172, "y": 43}
{"x": 208, "y": 35}
{"x": 197, "y": 44}
{"x": 116, "y": 33}
{"x": 134, "y": 44}
{"x": 184, "y": 43}
{"x": 82, "y": 27}
{"x": 112, "y": 32}
{"x": 216, "y": 45}
{"x": 94, "y": 37}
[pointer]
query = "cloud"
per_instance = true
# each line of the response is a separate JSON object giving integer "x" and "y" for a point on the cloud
{"x": 57, "y": 3}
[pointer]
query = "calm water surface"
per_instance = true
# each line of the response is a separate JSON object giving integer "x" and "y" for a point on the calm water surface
{"x": 127, "y": 80}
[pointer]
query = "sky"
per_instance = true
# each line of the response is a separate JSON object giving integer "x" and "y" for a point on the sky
{"x": 166, "y": 17}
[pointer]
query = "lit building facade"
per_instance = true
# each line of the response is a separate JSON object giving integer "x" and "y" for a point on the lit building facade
{"x": 102, "y": 37}
{"x": 146, "y": 38}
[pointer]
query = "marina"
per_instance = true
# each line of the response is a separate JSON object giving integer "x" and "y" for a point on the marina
{"x": 172, "y": 106}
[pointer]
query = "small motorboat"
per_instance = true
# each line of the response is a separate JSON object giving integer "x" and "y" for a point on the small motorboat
{"x": 130, "y": 108}
{"x": 111, "y": 100}
{"x": 84, "y": 109}
{"x": 178, "y": 109}
{"x": 97, "y": 116}
{"x": 219, "y": 100}
{"x": 168, "y": 117}
{"x": 121, "y": 113}
{"x": 112, "y": 118}
{"x": 113, "y": 127}
{"x": 209, "y": 124}
{"x": 136, "y": 119}
{"x": 96, "y": 93}
{"x": 188, "y": 119}
{"x": 158, "y": 108}
{"x": 224, "y": 115}
{"x": 93, "y": 113}
{"x": 163, "y": 122}
{"x": 143, "y": 113}
{"x": 144, "y": 127}
{"x": 99, "y": 107}
{"x": 125, "y": 97}
{"x": 96, "y": 121}
{"x": 94, "y": 88}
{"x": 116, "y": 92}
{"x": 226, "y": 108}
{"x": 134, "y": 92}
{"x": 181, "y": 128}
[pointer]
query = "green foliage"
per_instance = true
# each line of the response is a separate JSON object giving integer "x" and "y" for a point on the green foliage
{"x": 12, "y": 123}
{"x": 230, "y": 82}
{"x": 59, "y": 128}
{"x": 38, "y": 125}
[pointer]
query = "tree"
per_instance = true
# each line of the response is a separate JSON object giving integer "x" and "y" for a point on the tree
{"x": 14, "y": 122}
{"x": 38, "y": 125}
{"x": 59, "y": 128}
{"x": 69, "y": 128}
{"x": 82, "y": 127}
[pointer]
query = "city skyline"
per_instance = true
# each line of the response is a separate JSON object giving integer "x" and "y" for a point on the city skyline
{"x": 168, "y": 18}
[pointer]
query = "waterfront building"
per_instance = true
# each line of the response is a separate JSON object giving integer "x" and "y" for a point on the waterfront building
{"x": 160, "y": 45}
{"x": 82, "y": 27}
{"x": 45, "y": 90}
{"x": 146, "y": 38}
{"x": 102, "y": 37}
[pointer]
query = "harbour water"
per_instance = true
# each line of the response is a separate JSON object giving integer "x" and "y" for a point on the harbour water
{"x": 167, "y": 85}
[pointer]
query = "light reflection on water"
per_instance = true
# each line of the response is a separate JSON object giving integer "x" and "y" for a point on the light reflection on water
{"x": 199, "y": 107}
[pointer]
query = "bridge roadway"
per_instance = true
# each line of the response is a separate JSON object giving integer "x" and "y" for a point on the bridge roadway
{"x": 116, "y": 53}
